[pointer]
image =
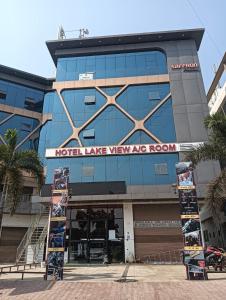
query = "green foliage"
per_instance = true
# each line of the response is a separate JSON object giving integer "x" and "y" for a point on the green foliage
{"x": 215, "y": 149}
{"x": 12, "y": 165}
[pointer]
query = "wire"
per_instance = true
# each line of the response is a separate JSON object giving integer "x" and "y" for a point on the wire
{"x": 208, "y": 33}
{"x": 72, "y": 30}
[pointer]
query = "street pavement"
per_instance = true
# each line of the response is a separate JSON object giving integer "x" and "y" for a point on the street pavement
{"x": 108, "y": 282}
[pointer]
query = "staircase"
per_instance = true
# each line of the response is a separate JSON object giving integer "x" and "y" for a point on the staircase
{"x": 31, "y": 246}
{"x": 35, "y": 249}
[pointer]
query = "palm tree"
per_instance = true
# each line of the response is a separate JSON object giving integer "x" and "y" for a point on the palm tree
{"x": 12, "y": 165}
{"x": 215, "y": 149}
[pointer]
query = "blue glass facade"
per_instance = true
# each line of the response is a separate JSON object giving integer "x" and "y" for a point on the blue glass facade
{"x": 19, "y": 96}
{"x": 112, "y": 65}
{"x": 111, "y": 125}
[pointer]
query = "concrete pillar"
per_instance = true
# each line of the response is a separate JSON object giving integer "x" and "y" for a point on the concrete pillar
{"x": 128, "y": 232}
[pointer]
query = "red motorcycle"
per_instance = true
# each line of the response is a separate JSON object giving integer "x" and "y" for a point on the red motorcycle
{"x": 214, "y": 257}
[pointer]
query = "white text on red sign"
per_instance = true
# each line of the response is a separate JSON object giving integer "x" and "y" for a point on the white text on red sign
{"x": 184, "y": 66}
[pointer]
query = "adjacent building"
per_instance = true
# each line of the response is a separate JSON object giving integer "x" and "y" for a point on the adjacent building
{"x": 120, "y": 114}
{"x": 216, "y": 95}
{"x": 21, "y": 103}
{"x": 216, "y": 98}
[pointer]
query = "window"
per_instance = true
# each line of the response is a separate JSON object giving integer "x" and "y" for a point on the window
{"x": 154, "y": 95}
{"x": 224, "y": 207}
{"x": 88, "y": 171}
{"x": 206, "y": 236}
{"x": 29, "y": 103}
{"x": 45, "y": 170}
{"x": 27, "y": 190}
{"x": 2, "y": 95}
{"x": 89, "y": 134}
{"x": 26, "y": 127}
{"x": 79, "y": 214}
{"x": 32, "y": 104}
{"x": 90, "y": 100}
{"x": 161, "y": 169}
{"x": 224, "y": 229}
{"x": 224, "y": 108}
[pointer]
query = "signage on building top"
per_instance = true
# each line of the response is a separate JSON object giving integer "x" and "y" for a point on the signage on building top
{"x": 119, "y": 150}
{"x": 191, "y": 66}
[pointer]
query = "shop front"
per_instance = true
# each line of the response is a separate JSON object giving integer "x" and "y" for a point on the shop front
{"x": 157, "y": 231}
{"x": 96, "y": 234}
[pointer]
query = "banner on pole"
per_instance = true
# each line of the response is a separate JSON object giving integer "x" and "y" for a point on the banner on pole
{"x": 57, "y": 225}
{"x": 191, "y": 226}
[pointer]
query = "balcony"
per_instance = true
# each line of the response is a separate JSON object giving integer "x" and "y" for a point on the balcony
{"x": 217, "y": 100}
{"x": 25, "y": 206}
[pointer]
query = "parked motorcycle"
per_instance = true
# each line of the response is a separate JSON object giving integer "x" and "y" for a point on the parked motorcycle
{"x": 215, "y": 258}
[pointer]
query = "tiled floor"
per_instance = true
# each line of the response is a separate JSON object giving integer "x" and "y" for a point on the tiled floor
{"x": 108, "y": 282}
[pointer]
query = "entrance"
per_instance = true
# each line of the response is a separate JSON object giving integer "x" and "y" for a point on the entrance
{"x": 96, "y": 234}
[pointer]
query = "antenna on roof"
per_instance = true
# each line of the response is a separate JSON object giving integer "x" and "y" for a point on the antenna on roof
{"x": 82, "y": 33}
{"x": 61, "y": 33}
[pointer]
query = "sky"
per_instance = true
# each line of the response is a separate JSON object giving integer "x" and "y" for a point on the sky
{"x": 25, "y": 26}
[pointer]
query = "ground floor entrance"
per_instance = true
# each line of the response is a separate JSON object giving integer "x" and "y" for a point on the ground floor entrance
{"x": 95, "y": 234}
{"x": 124, "y": 233}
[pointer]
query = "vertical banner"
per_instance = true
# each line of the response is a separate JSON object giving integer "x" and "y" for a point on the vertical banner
{"x": 191, "y": 226}
{"x": 57, "y": 225}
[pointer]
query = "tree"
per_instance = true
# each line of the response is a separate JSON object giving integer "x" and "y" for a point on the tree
{"x": 215, "y": 149}
{"x": 12, "y": 165}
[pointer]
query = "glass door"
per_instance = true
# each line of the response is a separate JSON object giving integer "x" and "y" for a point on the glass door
{"x": 79, "y": 241}
{"x": 96, "y": 235}
{"x": 97, "y": 240}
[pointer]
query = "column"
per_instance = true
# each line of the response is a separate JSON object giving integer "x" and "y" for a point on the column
{"x": 128, "y": 232}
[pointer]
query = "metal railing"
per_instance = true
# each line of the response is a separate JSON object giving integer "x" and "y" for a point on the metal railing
{"x": 22, "y": 248}
{"x": 25, "y": 205}
{"x": 40, "y": 244}
{"x": 13, "y": 268}
{"x": 20, "y": 269}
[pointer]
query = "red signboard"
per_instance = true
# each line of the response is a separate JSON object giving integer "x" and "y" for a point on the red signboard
{"x": 111, "y": 150}
{"x": 190, "y": 66}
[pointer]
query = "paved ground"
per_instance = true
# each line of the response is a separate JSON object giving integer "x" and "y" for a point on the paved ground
{"x": 138, "y": 282}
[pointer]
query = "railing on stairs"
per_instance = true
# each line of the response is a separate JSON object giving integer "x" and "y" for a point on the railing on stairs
{"x": 22, "y": 248}
{"x": 39, "y": 245}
